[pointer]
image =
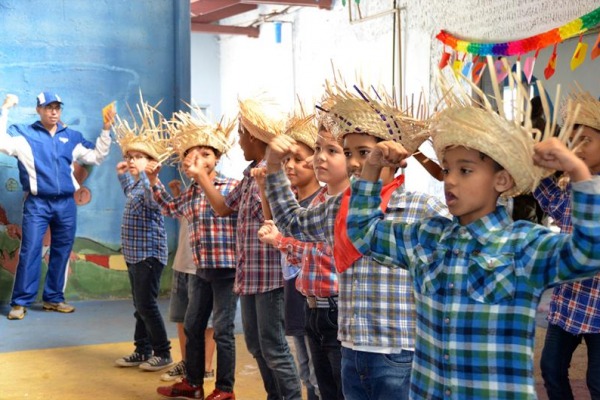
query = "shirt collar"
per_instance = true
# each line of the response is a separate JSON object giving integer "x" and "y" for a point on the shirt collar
{"x": 484, "y": 228}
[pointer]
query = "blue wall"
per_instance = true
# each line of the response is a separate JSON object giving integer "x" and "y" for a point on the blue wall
{"x": 91, "y": 53}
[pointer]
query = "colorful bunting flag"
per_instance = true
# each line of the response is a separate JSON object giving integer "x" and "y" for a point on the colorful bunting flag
{"x": 444, "y": 60}
{"x": 528, "y": 66}
{"x": 596, "y": 49}
{"x": 501, "y": 70}
{"x": 477, "y": 72}
{"x": 551, "y": 66}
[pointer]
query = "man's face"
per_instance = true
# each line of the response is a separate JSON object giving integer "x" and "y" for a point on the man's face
{"x": 50, "y": 113}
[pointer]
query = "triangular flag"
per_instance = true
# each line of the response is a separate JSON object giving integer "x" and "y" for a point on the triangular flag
{"x": 477, "y": 71}
{"x": 596, "y": 49}
{"x": 457, "y": 65}
{"x": 501, "y": 71}
{"x": 467, "y": 68}
{"x": 551, "y": 66}
{"x": 579, "y": 54}
{"x": 444, "y": 60}
{"x": 528, "y": 66}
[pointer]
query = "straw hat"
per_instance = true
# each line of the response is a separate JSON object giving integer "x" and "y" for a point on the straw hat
{"x": 589, "y": 112}
{"x": 480, "y": 127}
{"x": 194, "y": 129}
{"x": 147, "y": 137}
{"x": 256, "y": 121}
{"x": 351, "y": 113}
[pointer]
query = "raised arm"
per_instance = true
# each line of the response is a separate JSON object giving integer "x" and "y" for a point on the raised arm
{"x": 8, "y": 145}
{"x": 194, "y": 167}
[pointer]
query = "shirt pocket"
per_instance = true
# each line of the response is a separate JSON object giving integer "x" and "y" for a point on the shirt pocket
{"x": 430, "y": 276}
{"x": 491, "y": 278}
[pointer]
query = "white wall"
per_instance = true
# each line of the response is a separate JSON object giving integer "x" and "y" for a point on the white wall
{"x": 206, "y": 73}
{"x": 313, "y": 39}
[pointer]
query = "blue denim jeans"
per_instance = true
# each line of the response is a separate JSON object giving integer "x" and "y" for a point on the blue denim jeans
{"x": 205, "y": 297}
{"x": 556, "y": 359}
{"x": 370, "y": 376}
{"x": 321, "y": 329}
{"x": 150, "y": 336}
{"x": 306, "y": 367}
{"x": 262, "y": 318}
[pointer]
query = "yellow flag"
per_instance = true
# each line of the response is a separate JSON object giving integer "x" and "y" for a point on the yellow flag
{"x": 579, "y": 55}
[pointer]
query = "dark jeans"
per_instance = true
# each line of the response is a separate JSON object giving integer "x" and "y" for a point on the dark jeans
{"x": 374, "y": 376}
{"x": 556, "y": 359}
{"x": 325, "y": 349}
{"x": 262, "y": 318}
{"x": 150, "y": 335}
{"x": 206, "y": 296}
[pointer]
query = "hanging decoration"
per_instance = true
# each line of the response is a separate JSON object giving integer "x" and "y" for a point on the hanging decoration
{"x": 521, "y": 47}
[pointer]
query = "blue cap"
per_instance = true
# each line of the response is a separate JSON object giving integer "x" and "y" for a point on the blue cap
{"x": 45, "y": 98}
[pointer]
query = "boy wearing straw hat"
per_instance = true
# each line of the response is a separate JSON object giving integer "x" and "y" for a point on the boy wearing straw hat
{"x": 574, "y": 312}
{"x": 258, "y": 280}
{"x": 478, "y": 278}
{"x": 316, "y": 278}
{"x": 212, "y": 239}
{"x": 375, "y": 304}
{"x": 143, "y": 237}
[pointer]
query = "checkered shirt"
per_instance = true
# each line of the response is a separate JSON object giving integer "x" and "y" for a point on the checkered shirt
{"x": 143, "y": 233}
{"x": 477, "y": 288}
{"x": 258, "y": 264}
{"x": 212, "y": 238}
{"x": 575, "y": 306}
{"x": 376, "y": 306}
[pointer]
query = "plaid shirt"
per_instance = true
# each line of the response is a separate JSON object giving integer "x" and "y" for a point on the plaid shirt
{"x": 212, "y": 238}
{"x": 376, "y": 306}
{"x": 477, "y": 288}
{"x": 258, "y": 264}
{"x": 575, "y": 306}
{"x": 143, "y": 233}
{"x": 317, "y": 275}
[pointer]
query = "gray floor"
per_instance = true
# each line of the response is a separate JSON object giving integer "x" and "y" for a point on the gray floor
{"x": 93, "y": 322}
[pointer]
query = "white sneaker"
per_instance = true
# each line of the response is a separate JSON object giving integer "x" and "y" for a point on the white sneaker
{"x": 178, "y": 371}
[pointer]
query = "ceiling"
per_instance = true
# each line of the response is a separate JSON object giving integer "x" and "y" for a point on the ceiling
{"x": 206, "y": 14}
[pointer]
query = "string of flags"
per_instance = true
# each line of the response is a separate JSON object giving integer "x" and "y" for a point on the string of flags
{"x": 457, "y": 59}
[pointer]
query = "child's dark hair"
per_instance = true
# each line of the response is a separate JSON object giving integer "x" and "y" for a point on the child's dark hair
{"x": 497, "y": 166}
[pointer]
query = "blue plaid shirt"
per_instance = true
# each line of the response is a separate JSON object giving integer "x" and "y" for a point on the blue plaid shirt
{"x": 376, "y": 306}
{"x": 477, "y": 288}
{"x": 143, "y": 232}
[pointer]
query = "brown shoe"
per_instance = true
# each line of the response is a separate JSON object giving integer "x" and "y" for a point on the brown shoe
{"x": 60, "y": 307}
{"x": 220, "y": 395}
{"x": 17, "y": 312}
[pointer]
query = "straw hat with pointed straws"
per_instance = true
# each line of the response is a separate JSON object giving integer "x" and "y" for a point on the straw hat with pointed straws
{"x": 255, "y": 120}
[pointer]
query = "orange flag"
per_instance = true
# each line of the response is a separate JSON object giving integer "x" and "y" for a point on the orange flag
{"x": 596, "y": 49}
{"x": 444, "y": 60}
{"x": 551, "y": 67}
{"x": 477, "y": 71}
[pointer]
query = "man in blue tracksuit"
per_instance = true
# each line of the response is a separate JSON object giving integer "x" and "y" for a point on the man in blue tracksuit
{"x": 46, "y": 151}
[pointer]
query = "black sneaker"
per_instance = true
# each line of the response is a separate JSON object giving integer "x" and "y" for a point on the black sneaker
{"x": 178, "y": 371}
{"x": 132, "y": 360}
{"x": 156, "y": 363}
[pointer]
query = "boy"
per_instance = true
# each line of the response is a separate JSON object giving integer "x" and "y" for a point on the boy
{"x": 144, "y": 239}
{"x": 376, "y": 323}
{"x": 479, "y": 277}
{"x": 213, "y": 242}
{"x": 574, "y": 309}
{"x": 317, "y": 278}
{"x": 258, "y": 279}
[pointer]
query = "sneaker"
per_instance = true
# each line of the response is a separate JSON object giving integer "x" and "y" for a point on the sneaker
{"x": 60, "y": 307}
{"x": 182, "y": 390}
{"x": 209, "y": 375}
{"x": 17, "y": 312}
{"x": 156, "y": 363}
{"x": 220, "y": 395}
{"x": 132, "y": 360}
{"x": 178, "y": 371}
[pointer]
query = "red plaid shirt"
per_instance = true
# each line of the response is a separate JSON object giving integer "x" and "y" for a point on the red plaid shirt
{"x": 258, "y": 264}
{"x": 212, "y": 238}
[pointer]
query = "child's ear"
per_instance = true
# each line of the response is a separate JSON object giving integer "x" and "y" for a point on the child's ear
{"x": 503, "y": 181}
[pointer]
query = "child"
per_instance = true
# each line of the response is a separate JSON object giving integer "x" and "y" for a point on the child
{"x": 317, "y": 278}
{"x": 258, "y": 279}
{"x": 574, "y": 313}
{"x": 478, "y": 278}
{"x": 376, "y": 321}
{"x": 144, "y": 239}
{"x": 181, "y": 291}
{"x": 213, "y": 242}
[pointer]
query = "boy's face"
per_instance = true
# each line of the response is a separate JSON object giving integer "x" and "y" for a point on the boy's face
{"x": 136, "y": 161}
{"x": 589, "y": 148}
{"x": 298, "y": 170}
{"x": 357, "y": 147}
{"x": 329, "y": 161}
{"x": 207, "y": 155}
{"x": 246, "y": 143}
{"x": 472, "y": 183}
